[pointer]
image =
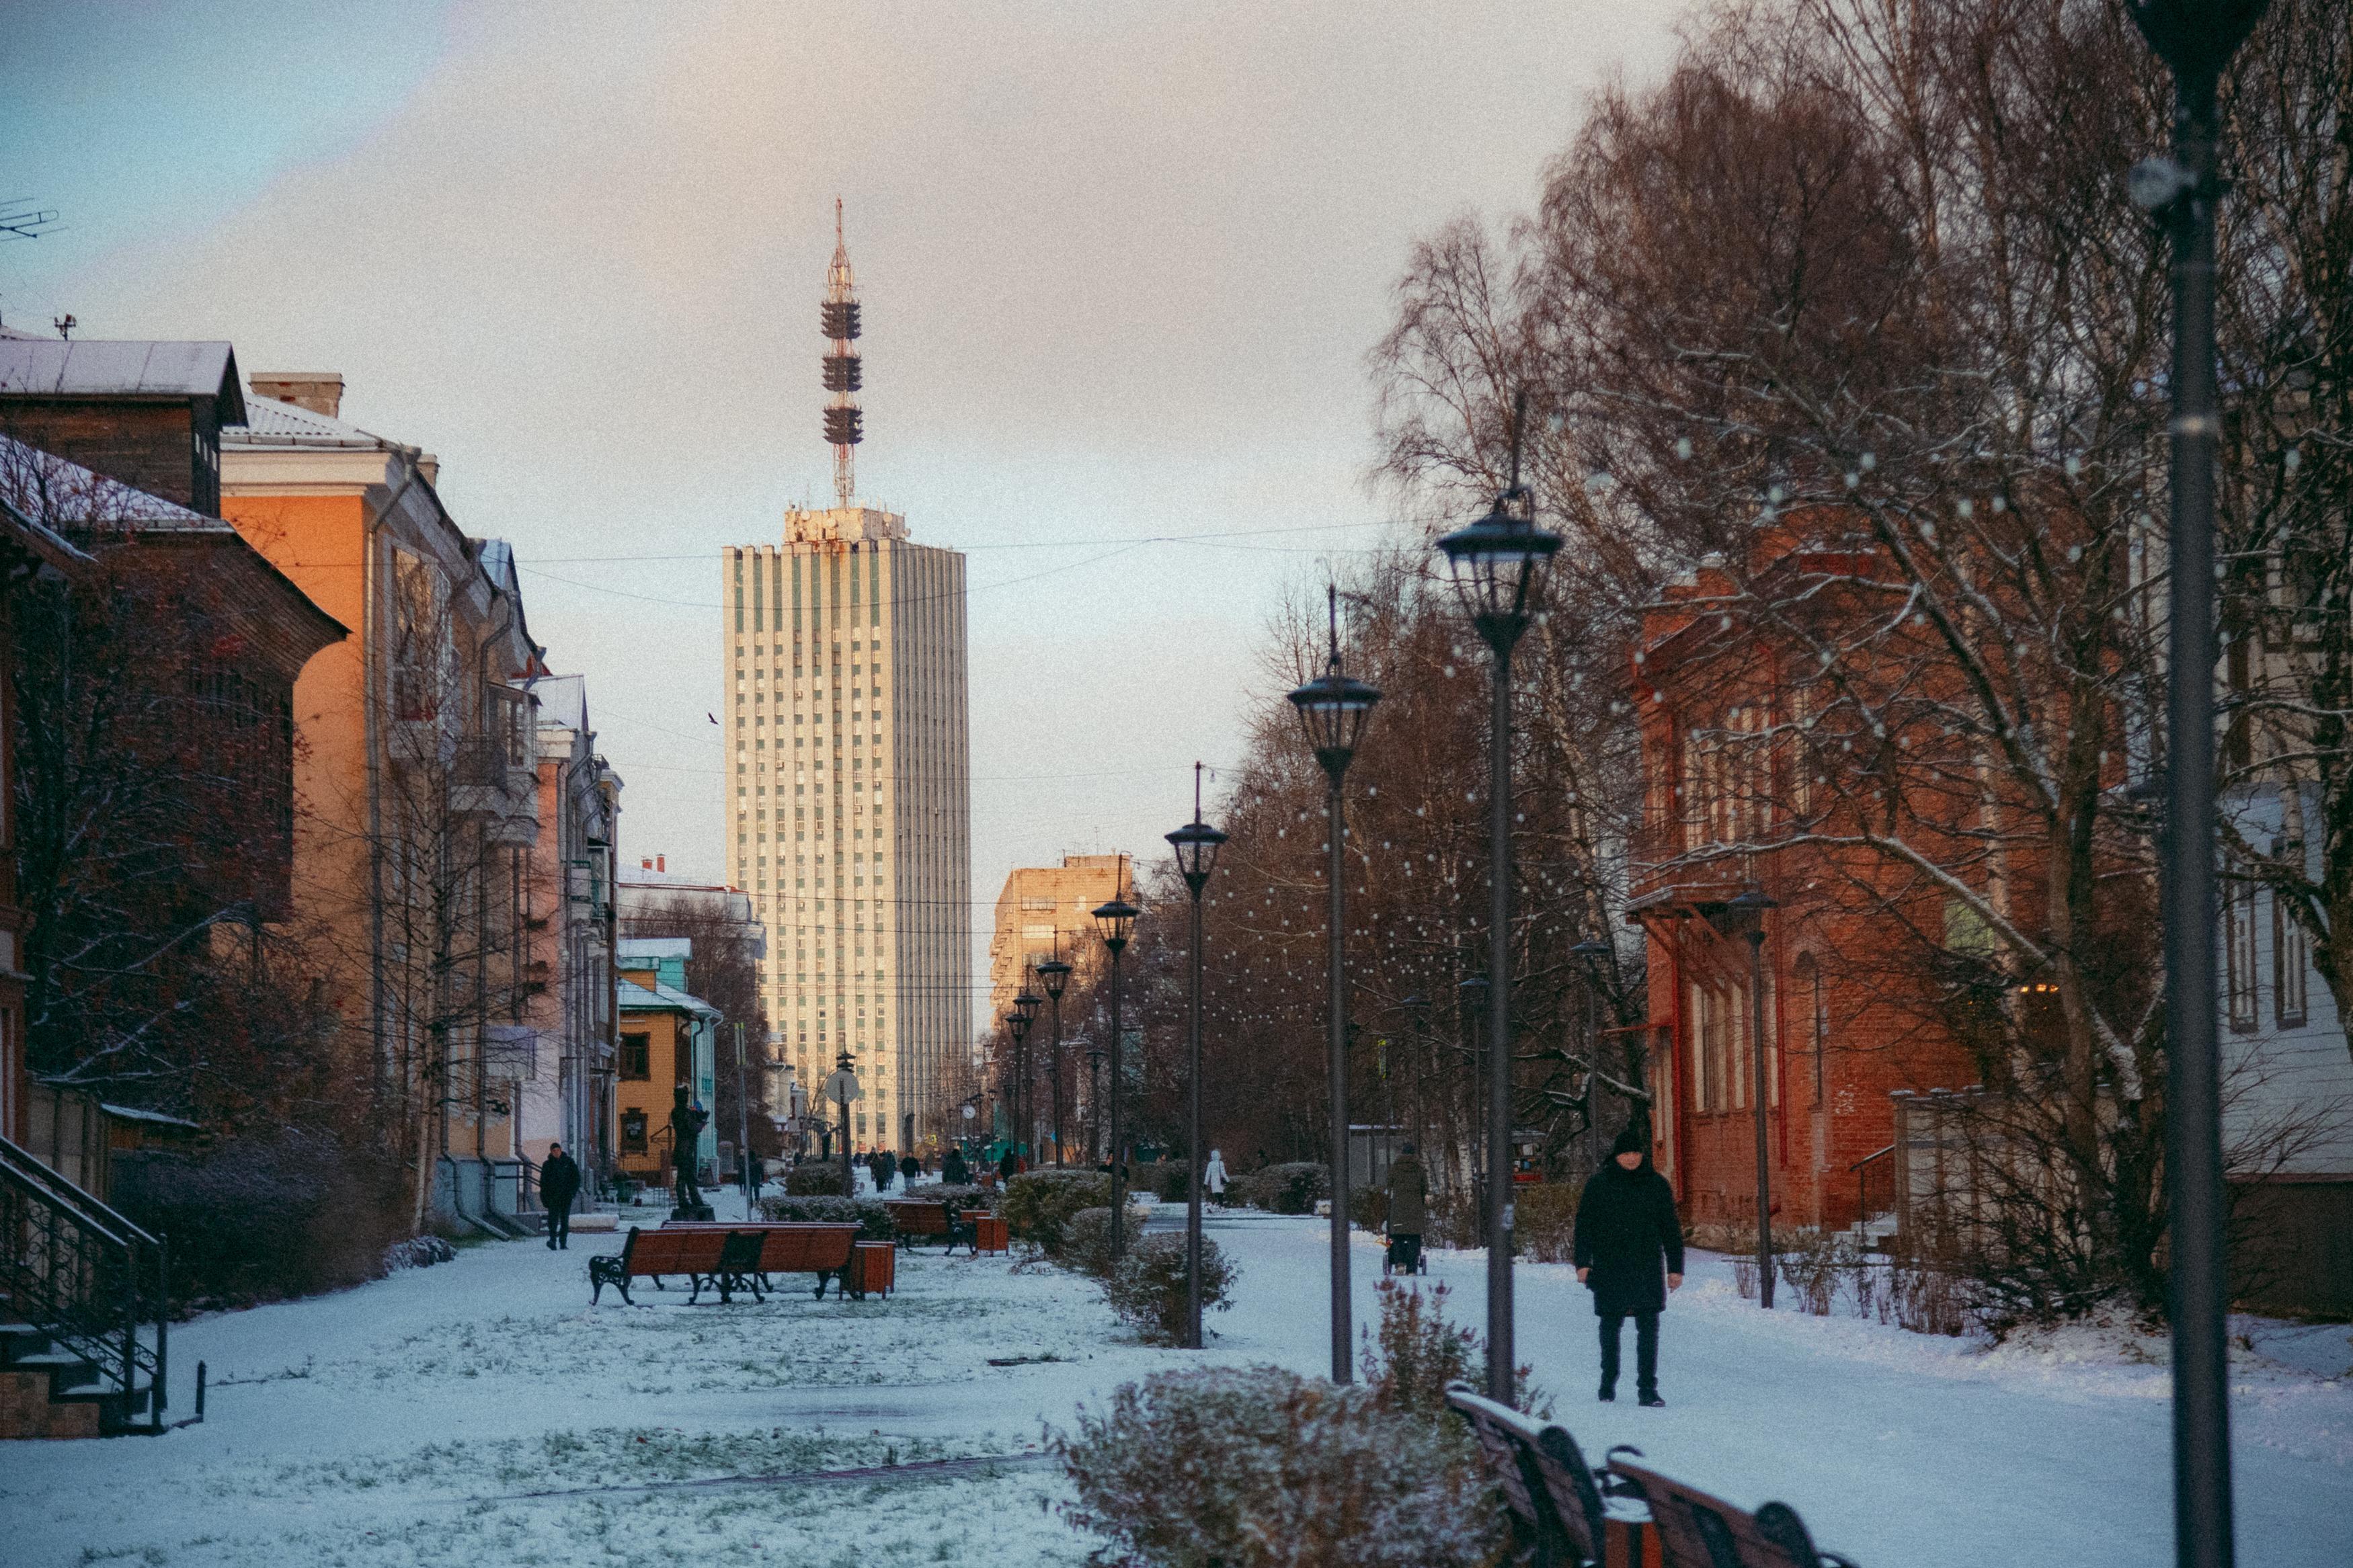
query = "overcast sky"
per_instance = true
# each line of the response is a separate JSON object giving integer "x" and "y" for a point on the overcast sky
{"x": 1121, "y": 266}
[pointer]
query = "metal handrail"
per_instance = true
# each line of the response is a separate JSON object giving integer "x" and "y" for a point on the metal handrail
{"x": 1861, "y": 1171}
{"x": 73, "y": 1269}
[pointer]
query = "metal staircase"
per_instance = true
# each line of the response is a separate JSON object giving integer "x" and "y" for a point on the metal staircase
{"x": 83, "y": 1306}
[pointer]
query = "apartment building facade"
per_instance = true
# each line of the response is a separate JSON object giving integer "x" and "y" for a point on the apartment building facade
{"x": 850, "y": 804}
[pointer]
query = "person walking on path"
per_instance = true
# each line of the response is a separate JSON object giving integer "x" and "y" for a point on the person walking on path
{"x": 559, "y": 1184}
{"x": 909, "y": 1169}
{"x": 1628, "y": 1235}
{"x": 1213, "y": 1177}
{"x": 1008, "y": 1166}
{"x": 953, "y": 1171}
{"x": 1409, "y": 1209}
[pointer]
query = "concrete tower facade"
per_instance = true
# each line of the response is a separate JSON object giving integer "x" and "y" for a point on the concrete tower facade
{"x": 850, "y": 805}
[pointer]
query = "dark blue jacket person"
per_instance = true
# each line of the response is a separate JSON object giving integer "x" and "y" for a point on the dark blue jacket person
{"x": 1630, "y": 1252}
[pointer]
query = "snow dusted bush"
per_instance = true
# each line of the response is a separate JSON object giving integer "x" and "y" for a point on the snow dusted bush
{"x": 1811, "y": 1262}
{"x": 813, "y": 1181}
{"x": 1293, "y": 1188}
{"x": 1039, "y": 1204}
{"x": 874, "y": 1221}
{"x": 263, "y": 1219}
{"x": 1418, "y": 1352}
{"x": 418, "y": 1252}
{"x": 1260, "y": 1467}
{"x": 1147, "y": 1289}
{"x": 1086, "y": 1240}
{"x": 1543, "y": 1221}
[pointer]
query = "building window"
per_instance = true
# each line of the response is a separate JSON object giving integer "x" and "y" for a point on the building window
{"x": 2239, "y": 955}
{"x": 633, "y": 1132}
{"x": 2291, "y": 967}
{"x": 1810, "y": 989}
{"x": 637, "y": 1056}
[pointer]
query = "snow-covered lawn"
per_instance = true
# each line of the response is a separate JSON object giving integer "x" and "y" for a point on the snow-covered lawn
{"x": 480, "y": 1413}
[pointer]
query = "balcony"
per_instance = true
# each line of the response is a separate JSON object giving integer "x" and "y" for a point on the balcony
{"x": 486, "y": 781}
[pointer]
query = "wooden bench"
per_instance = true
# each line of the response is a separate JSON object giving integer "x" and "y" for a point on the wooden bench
{"x": 784, "y": 1246}
{"x": 698, "y": 1253}
{"x": 1571, "y": 1516}
{"x": 919, "y": 1218}
{"x": 1696, "y": 1531}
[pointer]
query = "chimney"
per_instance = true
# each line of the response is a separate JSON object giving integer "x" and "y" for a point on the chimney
{"x": 662, "y": 862}
{"x": 320, "y": 391}
{"x": 645, "y": 864}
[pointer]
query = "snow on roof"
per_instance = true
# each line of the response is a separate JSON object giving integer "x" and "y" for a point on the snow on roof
{"x": 48, "y": 489}
{"x": 133, "y": 1113}
{"x": 97, "y": 368}
{"x": 269, "y": 422}
{"x": 655, "y": 947}
{"x": 563, "y": 701}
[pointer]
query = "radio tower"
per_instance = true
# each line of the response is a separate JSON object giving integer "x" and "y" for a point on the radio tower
{"x": 839, "y": 315}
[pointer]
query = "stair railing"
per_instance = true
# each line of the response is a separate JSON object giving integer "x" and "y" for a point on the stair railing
{"x": 1881, "y": 1163}
{"x": 85, "y": 1276}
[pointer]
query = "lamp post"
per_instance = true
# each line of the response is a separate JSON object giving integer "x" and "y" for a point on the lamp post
{"x": 1115, "y": 923}
{"x": 1025, "y": 1006}
{"x": 2196, "y": 39}
{"x": 1055, "y": 975}
{"x": 1746, "y": 916}
{"x": 1497, "y": 564}
{"x": 1016, "y": 1027}
{"x": 843, "y": 1086}
{"x": 1095, "y": 1093}
{"x": 1333, "y": 708}
{"x": 1197, "y": 856}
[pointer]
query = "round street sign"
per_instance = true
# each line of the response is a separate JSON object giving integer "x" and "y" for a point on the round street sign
{"x": 841, "y": 1087}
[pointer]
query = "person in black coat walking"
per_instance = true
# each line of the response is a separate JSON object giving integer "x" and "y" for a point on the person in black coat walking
{"x": 953, "y": 1171}
{"x": 559, "y": 1184}
{"x": 1628, "y": 1235}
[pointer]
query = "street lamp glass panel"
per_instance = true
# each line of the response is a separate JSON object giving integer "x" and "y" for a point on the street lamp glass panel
{"x": 1027, "y": 1006}
{"x": 1116, "y": 923}
{"x": 1196, "y": 852}
{"x": 1743, "y": 915}
{"x": 1056, "y": 976}
{"x": 1496, "y": 563}
{"x": 1333, "y": 708}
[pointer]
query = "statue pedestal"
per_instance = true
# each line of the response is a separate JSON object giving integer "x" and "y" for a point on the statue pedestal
{"x": 697, "y": 1211}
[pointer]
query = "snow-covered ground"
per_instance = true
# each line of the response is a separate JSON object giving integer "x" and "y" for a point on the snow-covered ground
{"x": 481, "y": 1412}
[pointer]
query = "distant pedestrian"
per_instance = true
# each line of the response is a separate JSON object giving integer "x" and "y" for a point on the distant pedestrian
{"x": 953, "y": 1171}
{"x": 1213, "y": 1177}
{"x": 883, "y": 1167}
{"x": 1409, "y": 1209}
{"x": 1007, "y": 1165}
{"x": 559, "y": 1184}
{"x": 909, "y": 1169}
{"x": 1628, "y": 1235}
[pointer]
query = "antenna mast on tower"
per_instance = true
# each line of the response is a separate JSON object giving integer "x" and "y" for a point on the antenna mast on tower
{"x": 840, "y": 316}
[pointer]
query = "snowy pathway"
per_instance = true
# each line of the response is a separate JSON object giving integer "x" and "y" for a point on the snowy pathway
{"x": 427, "y": 1419}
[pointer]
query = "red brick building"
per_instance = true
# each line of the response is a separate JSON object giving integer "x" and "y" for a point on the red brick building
{"x": 1735, "y": 804}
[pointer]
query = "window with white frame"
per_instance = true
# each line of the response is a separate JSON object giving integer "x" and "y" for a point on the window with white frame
{"x": 2241, "y": 1002}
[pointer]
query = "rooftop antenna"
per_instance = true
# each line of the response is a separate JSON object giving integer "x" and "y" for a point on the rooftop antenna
{"x": 20, "y": 220}
{"x": 65, "y": 325}
{"x": 842, "y": 376}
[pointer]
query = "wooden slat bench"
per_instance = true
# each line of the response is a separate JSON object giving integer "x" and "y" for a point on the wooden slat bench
{"x": 1572, "y": 1516}
{"x": 1698, "y": 1530}
{"x": 786, "y": 1246}
{"x": 922, "y": 1219}
{"x": 693, "y": 1251}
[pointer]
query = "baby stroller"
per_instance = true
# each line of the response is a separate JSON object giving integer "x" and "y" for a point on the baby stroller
{"x": 1404, "y": 1256}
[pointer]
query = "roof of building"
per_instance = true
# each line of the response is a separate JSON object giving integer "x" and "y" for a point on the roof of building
{"x": 269, "y": 422}
{"x": 563, "y": 701}
{"x": 654, "y": 947}
{"x": 660, "y": 998}
{"x": 45, "y": 489}
{"x": 54, "y": 368}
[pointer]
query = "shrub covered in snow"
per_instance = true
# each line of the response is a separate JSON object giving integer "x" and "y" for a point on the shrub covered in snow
{"x": 1293, "y": 1188}
{"x": 1260, "y": 1467}
{"x": 813, "y": 1181}
{"x": 1086, "y": 1240}
{"x": 261, "y": 1219}
{"x": 418, "y": 1252}
{"x": 1147, "y": 1289}
{"x": 1543, "y": 1221}
{"x": 873, "y": 1220}
{"x": 1039, "y": 1204}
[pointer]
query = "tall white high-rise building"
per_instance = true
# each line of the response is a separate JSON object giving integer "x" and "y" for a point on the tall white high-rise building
{"x": 849, "y": 787}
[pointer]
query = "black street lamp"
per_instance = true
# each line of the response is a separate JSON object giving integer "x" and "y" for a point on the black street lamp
{"x": 2196, "y": 39}
{"x": 1333, "y": 708}
{"x": 1197, "y": 856}
{"x": 1498, "y": 564}
{"x": 1744, "y": 916}
{"x": 1115, "y": 923}
{"x": 1094, "y": 1092}
{"x": 1055, "y": 975}
{"x": 1016, "y": 1025}
{"x": 1025, "y": 1006}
